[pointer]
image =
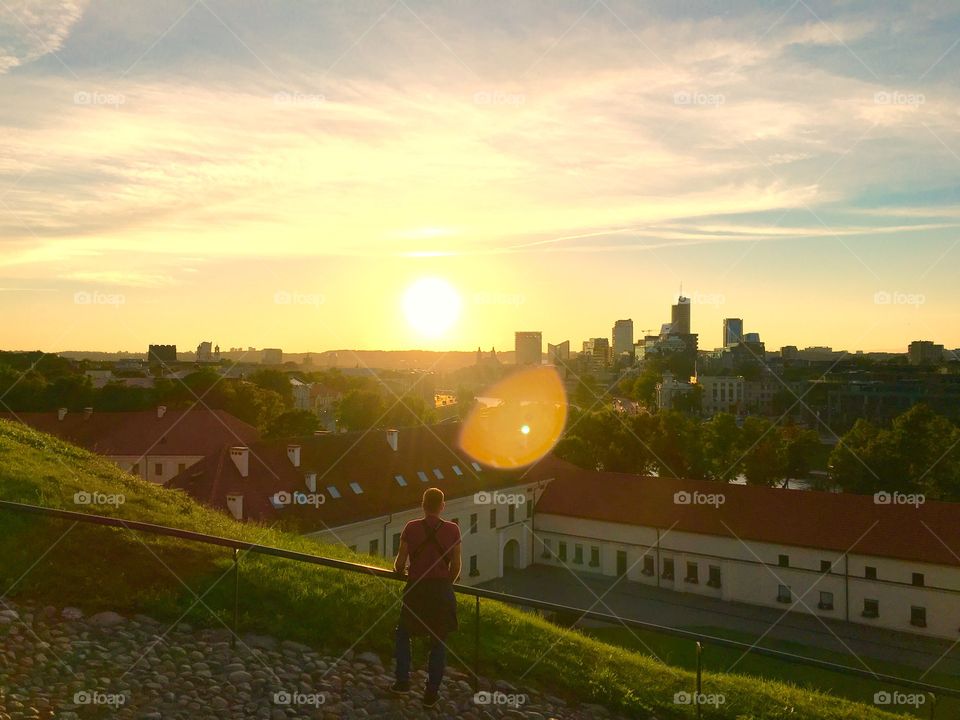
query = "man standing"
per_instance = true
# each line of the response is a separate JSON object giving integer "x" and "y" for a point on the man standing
{"x": 432, "y": 547}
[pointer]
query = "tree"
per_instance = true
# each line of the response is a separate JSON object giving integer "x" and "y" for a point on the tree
{"x": 798, "y": 447}
{"x": 293, "y": 423}
{"x": 722, "y": 447}
{"x": 359, "y": 409}
{"x": 276, "y": 380}
{"x": 762, "y": 458}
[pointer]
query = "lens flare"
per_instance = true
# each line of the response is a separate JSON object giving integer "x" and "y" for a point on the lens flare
{"x": 524, "y": 426}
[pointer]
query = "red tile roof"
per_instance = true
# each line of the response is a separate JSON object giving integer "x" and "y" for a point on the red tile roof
{"x": 838, "y": 522}
{"x": 338, "y": 460}
{"x": 195, "y": 431}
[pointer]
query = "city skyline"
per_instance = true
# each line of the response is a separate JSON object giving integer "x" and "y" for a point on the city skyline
{"x": 202, "y": 170}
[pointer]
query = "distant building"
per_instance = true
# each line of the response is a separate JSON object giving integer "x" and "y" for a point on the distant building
{"x": 680, "y": 317}
{"x": 528, "y": 348}
{"x": 622, "y": 335}
{"x": 732, "y": 331}
{"x": 670, "y": 390}
{"x": 789, "y": 352}
{"x": 752, "y": 337}
{"x": 924, "y": 352}
{"x": 559, "y": 353}
{"x": 596, "y": 354}
{"x": 162, "y": 354}
{"x": 721, "y": 393}
{"x": 206, "y": 354}
{"x": 272, "y": 356}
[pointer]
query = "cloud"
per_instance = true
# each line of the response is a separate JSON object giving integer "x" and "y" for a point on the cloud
{"x": 30, "y": 29}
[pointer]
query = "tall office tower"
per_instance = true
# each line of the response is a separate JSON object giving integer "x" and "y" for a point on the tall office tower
{"x": 528, "y": 348}
{"x": 680, "y": 317}
{"x": 622, "y": 337}
{"x": 732, "y": 331}
{"x": 558, "y": 353}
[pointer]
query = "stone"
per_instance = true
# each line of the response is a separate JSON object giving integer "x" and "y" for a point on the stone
{"x": 106, "y": 619}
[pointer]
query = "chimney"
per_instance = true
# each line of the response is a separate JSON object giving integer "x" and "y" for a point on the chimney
{"x": 311, "y": 481}
{"x": 161, "y": 410}
{"x": 293, "y": 452}
{"x": 235, "y": 504}
{"x": 61, "y": 413}
{"x": 241, "y": 458}
{"x": 87, "y": 412}
{"x": 393, "y": 438}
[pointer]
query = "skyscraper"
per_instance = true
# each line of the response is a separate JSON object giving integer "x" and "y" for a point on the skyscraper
{"x": 622, "y": 337}
{"x": 528, "y": 348}
{"x": 732, "y": 331}
{"x": 680, "y": 317}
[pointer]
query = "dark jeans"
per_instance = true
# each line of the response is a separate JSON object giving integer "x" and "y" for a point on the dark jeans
{"x": 435, "y": 665}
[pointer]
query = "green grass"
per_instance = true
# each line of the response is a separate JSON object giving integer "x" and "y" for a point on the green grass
{"x": 679, "y": 652}
{"x": 96, "y": 568}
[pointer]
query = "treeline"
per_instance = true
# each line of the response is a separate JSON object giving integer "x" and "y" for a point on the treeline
{"x": 672, "y": 444}
{"x": 918, "y": 453}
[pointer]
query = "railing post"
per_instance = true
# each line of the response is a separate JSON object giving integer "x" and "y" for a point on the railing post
{"x": 476, "y": 647}
{"x": 699, "y": 676}
{"x": 236, "y": 596}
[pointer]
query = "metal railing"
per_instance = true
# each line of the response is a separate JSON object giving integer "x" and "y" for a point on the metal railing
{"x": 701, "y": 640}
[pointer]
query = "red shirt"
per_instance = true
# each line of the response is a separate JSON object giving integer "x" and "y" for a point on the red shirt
{"x": 430, "y": 559}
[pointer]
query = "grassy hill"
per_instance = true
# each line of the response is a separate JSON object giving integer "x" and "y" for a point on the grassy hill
{"x": 95, "y": 568}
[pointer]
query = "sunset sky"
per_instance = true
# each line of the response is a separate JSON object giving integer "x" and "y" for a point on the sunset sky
{"x": 280, "y": 173}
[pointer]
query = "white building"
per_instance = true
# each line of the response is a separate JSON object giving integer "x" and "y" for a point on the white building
{"x": 721, "y": 393}
{"x": 839, "y": 556}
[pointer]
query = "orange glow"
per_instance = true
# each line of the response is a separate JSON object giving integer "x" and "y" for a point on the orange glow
{"x": 524, "y": 427}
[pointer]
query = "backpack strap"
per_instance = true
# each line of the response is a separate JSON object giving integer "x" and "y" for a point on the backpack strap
{"x": 431, "y": 537}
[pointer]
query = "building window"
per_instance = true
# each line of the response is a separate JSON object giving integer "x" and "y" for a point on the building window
{"x": 158, "y": 468}
{"x": 870, "y": 572}
{"x": 693, "y": 573}
{"x": 647, "y": 565}
{"x": 667, "y": 573}
{"x": 562, "y": 551}
{"x": 493, "y": 517}
{"x": 473, "y": 566}
{"x": 594, "y": 556}
{"x": 511, "y": 513}
{"x": 918, "y": 579}
{"x": 918, "y": 616}
{"x": 826, "y": 566}
{"x": 422, "y": 475}
{"x": 357, "y": 490}
{"x": 334, "y": 493}
{"x": 401, "y": 481}
{"x": 181, "y": 467}
{"x": 871, "y": 608}
{"x": 714, "y": 580}
{"x": 396, "y": 543}
{"x": 374, "y": 547}
{"x": 578, "y": 554}
{"x": 783, "y": 561}
{"x": 826, "y": 601}
{"x": 783, "y": 594}
{"x": 473, "y": 523}
{"x": 437, "y": 474}
{"x": 546, "y": 555}
{"x": 457, "y": 471}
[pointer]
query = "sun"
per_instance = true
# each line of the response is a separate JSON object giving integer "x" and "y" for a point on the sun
{"x": 431, "y": 306}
